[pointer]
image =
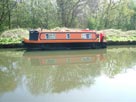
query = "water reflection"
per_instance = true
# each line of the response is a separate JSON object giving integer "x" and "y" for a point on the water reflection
{"x": 60, "y": 58}
{"x": 56, "y": 72}
{"x": 119, "y": 60}
{"x": 9, "y": 68}
{"x": 61, "y": 71}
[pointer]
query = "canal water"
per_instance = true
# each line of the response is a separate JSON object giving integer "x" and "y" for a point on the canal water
{"x": 102, "y": 75}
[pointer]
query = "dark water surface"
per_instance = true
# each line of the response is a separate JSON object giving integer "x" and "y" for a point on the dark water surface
{"x": 107, "y": 75}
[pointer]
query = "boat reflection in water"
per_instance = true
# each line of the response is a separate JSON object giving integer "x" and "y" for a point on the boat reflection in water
{"x": 60, "y": 71}
{"x": 59, "y": 58}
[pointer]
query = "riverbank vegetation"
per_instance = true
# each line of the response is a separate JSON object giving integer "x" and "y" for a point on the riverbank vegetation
{"x": 118, "y": 16}
{"x": 117, "y": 35}
{"x": 13, "y": 36}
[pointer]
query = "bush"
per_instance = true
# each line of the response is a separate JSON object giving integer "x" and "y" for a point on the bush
{"x": 119, "y": 35}
{"x": 13, "y": 36}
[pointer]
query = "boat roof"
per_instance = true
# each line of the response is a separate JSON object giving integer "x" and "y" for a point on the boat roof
{"x": 62, "y": 31}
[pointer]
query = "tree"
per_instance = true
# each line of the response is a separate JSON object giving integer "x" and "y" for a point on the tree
{"x": 6, "y": 7}
{"x": 68, "y": 11}
{"x": 132, "y": 24}
{"x": 95, "y": 14}
{"x": 35, "y": 14}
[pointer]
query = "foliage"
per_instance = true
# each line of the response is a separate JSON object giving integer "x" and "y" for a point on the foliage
{"x": 119, "y": 35}
{"x": 93, "y": 14}
{"x": 13, "y": 36}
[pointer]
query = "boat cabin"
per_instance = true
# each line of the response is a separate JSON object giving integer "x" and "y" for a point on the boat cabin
{"x": 65, "y": 39}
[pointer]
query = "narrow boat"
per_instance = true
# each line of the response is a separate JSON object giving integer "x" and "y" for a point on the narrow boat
{"x": 80, "y": 39}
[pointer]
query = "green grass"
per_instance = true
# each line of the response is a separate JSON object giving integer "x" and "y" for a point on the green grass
{"x": 10, "y": 41}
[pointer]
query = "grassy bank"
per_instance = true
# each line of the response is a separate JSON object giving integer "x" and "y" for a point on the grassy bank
{"x": 15, "y": 36}
{"x": 115, "y": 35}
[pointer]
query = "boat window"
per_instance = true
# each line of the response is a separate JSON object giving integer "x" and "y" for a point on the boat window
{"x": 51, "y": 61}
{"x": 50, "y": 36}
{"x": 86, "y": 36}
{"x": 85, "y": 59}
{"x": 68, "y": 60}
{"x": 67, "y": 36}
{"x": 47, "y": 36}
